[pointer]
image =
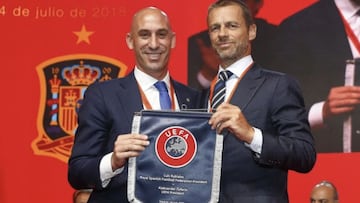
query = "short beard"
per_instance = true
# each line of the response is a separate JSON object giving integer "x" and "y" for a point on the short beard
{"x": 228, "y": 59}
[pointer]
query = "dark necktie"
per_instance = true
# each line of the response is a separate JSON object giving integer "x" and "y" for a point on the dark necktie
{"x": 165, "y": 102}
{"x": 220, "y": 89}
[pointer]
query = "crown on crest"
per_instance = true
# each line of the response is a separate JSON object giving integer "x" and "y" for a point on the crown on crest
{"x": 55, "y": 81}
{"x": 81, "y": 74}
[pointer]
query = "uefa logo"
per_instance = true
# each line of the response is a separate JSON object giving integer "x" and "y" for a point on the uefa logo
{"x": 175, "y": 147}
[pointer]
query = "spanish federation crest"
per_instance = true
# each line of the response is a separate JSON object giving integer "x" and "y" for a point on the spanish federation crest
{"x": 63, "y": 81}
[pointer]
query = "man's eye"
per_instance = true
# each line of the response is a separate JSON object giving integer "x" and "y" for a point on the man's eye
{"x": 232, "y": 25}
{"x": 213, "y": 29}
{"x": 144, "y": 34}
{"x": 162, "y": 34}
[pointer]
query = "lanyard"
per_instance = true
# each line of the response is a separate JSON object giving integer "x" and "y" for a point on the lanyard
{"x": 233, "y": 90}
{"x": 146, "y": 102}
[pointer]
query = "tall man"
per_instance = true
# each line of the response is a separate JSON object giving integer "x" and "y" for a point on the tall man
{"x": 103, "y": 142}
{"x": 313, "y": 46}
{"x": 263, "y": 118}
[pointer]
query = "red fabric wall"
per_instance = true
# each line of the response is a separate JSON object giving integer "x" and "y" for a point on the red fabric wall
{"x": 27, "y": 40}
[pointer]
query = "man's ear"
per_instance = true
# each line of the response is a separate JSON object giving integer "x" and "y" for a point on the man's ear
{"x": 129, "y": 41}
{"x": 173, "y": 40}
{"x": 252, "y": 32}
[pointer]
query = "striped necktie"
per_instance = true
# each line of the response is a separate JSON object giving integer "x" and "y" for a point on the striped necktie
{"x": 220, "y": 89}
{"x": 165, "y": 102}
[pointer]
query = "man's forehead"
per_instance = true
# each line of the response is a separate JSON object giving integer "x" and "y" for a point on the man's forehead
{"x": 150, "y": 14}
{"x": 150, "y": 21}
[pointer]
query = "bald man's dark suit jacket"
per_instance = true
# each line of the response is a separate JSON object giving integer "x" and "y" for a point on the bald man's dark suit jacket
{"x": 273, "y": 103}
{"x": 312, "y": 46}
{"x": 107, "y": 111}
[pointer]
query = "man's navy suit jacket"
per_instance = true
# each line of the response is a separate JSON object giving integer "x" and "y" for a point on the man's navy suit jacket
{"x": 107, "y": 111}
{"x": 273, "y": 103}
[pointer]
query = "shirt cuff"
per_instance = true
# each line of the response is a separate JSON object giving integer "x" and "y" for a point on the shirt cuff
{"x": 256, "y": 143}
{"x": 106, "y": 172}
{"x": 315, "y": 115}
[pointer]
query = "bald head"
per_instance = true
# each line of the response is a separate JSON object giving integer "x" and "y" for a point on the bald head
{"x": 151, "y": 38}
{"x": 324, "y": 192}
{"x": 149, "y": 14}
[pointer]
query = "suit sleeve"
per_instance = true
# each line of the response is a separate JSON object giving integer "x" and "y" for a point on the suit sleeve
{"x": 88, "y": 148}
{"x": 288, "y": 144}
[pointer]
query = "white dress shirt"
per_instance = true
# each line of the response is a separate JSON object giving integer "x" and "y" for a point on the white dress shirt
{"x": 152, "y": 95}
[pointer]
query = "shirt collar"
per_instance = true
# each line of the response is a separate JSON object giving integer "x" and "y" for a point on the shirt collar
{"x": 147, "y": 81}
{"x": 348, "y": 8}
{"x": 239, "y": 66}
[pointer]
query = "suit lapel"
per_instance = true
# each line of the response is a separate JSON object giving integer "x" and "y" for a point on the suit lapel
{"x": 336, "y": 29}
{"x": 182, "y": 96}
{"x": 247, "y": 87}
{"x": 129, "y": 95}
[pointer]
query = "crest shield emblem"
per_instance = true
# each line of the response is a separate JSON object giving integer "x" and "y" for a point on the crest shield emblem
{"x": 68, "y": 104}
{"x": 63, "y": 81}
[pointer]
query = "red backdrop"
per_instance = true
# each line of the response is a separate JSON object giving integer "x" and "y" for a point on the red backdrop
{"x": 32, "y": 33}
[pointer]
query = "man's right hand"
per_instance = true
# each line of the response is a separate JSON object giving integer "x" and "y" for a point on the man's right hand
{"x": 126, "y": 146}
{"x": 341, "y": 100}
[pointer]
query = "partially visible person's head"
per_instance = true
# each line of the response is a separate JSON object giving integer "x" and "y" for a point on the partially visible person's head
{"x": 81, "y": 196}
{"x": 152, "y": 39}
{"x": 231, "y": 29}
{"x": 324, "y": 192}
{"x": 254, "y": 6}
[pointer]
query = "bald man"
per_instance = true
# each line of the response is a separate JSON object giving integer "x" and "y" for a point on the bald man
{"x": 324, "y": 192}
{"x": 103, "y": 141}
